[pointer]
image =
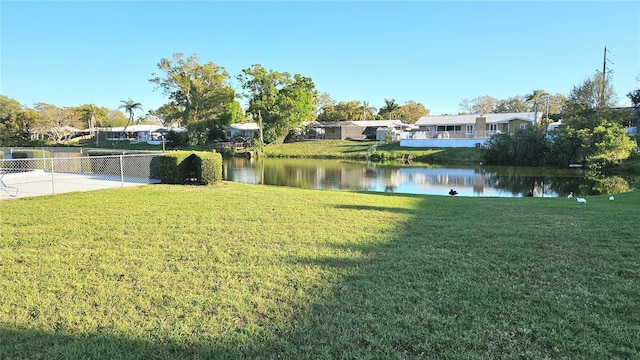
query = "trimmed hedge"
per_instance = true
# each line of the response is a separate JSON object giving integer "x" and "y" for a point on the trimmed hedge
{"x": 189, "y": 167}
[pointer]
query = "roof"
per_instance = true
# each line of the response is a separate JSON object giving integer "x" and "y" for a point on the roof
{"x": 135, "y": 128}
{"x": 363, "y": 123}
{"x": 471, "y": 118}
{"x": 245, "y": 126}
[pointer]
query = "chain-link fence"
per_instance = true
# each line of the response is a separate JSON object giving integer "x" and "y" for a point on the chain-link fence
{"x": 54, "y": 174}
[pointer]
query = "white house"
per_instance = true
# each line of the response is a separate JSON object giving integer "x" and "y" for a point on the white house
{"x": 245, "y": 131}
{"x": 466, "y": 130}
{"x": 135, "y": 134}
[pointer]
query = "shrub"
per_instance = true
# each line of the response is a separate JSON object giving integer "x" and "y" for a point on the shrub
{"x": 189, "y": 167}
{"x": 526, "y": 147}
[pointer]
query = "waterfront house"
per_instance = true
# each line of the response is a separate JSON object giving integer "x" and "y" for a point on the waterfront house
{"x": 355, "y": 130}
{"x": 471, "y": 130}
{"x": 244, "y": 131}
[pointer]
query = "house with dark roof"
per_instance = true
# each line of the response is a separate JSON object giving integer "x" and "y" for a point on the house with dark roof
{"x": 356, "y": 130}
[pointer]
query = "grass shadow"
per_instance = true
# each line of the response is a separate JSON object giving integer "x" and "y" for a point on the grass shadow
{"x": 454, "y": 279}
{"x": 436, "y": 291}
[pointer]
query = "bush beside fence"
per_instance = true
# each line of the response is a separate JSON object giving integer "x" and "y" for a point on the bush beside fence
{"x": 189, "y": 167}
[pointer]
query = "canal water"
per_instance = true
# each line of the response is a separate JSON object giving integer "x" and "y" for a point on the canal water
{"x": 474, "y": 181}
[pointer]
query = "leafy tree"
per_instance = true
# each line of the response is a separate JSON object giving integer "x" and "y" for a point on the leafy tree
{"x": 8, "y": 106}
{"x": 414, "y": 111}
{"x": 232, "y": 114}
{"x": 167, "y": 114}
{"x": 555, "y": 106}
{"x": 634, "y": 96}
{"x": 595, "y": 92}
{"x": 283, "y": 101}
{"x": 342, "y": 111}
{"x": 9, "y": 110}
{"x": 512, "y": 104}
{"x": 525, "y": 147}
{"x": 466, "y": 106}
{"x": 17, "y": 127}
{"x": 115, "y": 118}
{"x": 322, "y": 101}
{"x": 199, "y": 94}
{"x": 592, "y": 140}
{"x": 484, "y": 105}
{"x": 56, "y": 123}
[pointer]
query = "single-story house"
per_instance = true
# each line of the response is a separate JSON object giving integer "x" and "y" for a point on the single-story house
{"x": 466, "y": 130}
{"x": 245, "y": 131}
{"x": 358, "y": 130}
{"x": 151, "y": 134}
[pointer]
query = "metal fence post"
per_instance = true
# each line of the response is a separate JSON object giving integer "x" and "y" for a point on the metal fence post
{"x": 121, "y": 171}
{"x": 53, "y": 189}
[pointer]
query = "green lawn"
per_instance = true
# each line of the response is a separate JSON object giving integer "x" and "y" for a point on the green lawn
{"x": 341, "y": 149}
{"x": 236, "y": 271}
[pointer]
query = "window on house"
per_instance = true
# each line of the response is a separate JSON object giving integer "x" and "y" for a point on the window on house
{"x": 493, "y": 128}
{"x": 523, "y": 126}
{"x": 469, "y": 129}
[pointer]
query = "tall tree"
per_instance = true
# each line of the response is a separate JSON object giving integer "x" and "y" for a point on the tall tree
{"x": 322, "y": 101}
{"x": 556, "y": 104}
{"x": 484, "y": 104}
{"x": 91, "y": 114}
{"x": 592, "y": 139}
{"x": 114, "y": 118}
{"x": 536, "y": 99}
{"x": 466, "y": 106}
{"x": 283, "y": 101}
{"x": 130, "y": 108}
{"x": 414, "y": 111}
{"x": 8, "y": 106}
{"x": 17, "y": 127}
{"x": 368, "y": 112}
{"x": 595, "y": 92}
{"x": 199, "y": 94}
{"x": 56, "y": 123}
{"x": 390, "y": 108}
{"x": 511, "y": 105}
{"x": 9, "y": 109}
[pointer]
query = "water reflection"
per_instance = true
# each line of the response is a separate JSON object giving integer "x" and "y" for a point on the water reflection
{"x": 469, "y": 181}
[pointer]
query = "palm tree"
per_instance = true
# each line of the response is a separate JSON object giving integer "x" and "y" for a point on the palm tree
{"x": 91, "y": 114}
{"x": 367, "y": 111}
{"x": 389, "y": 108}
{"x": 535, "y": 98}
{"x": 129, "y": 107}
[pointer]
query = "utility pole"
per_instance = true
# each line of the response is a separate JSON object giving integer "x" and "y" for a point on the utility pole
{"x": 604, "y": 77}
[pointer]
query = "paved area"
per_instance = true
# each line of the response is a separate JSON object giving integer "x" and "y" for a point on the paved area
{"x": 39, "y": 182}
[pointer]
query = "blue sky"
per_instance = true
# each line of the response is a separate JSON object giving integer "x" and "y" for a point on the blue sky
{"x": 436, "y": 53}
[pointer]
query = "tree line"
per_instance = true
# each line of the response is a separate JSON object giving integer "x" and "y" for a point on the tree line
{"x": 201, "y": 98}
